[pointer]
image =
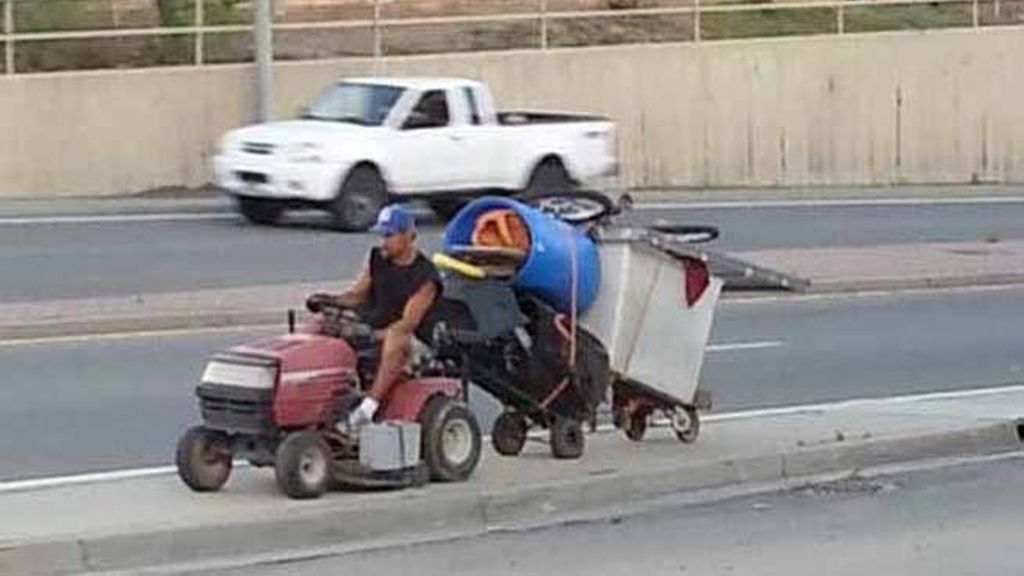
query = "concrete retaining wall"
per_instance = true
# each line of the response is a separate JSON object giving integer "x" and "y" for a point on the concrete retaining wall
{"x": 920, "y": 107}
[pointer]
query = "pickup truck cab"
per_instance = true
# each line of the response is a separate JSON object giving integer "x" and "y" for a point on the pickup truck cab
{"x": 364, "y": 142}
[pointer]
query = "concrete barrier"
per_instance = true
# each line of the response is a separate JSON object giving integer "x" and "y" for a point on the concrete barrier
{"x": 914, "y": 107}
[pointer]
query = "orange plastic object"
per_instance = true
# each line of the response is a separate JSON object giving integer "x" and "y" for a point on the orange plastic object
{"x": 501, "y": 228}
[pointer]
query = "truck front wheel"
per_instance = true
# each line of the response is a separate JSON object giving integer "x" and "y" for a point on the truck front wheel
{"x": 362, "y": 196}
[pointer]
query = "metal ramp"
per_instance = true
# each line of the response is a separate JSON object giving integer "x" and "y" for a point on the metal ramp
{"x": 738, "y": 274}
{"x": 682, "y": 240}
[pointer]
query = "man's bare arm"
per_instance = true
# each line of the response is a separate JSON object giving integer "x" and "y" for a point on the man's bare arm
{"x": 358, "y": 293}
{"x": 415, "y": 309}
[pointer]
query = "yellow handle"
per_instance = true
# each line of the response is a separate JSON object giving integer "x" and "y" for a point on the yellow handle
{"x": 464, "y": 268}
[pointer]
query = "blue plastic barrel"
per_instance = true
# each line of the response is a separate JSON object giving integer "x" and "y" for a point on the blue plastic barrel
{"x": 546, "y": 272}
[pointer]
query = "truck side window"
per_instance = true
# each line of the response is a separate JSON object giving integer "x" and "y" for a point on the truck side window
{"x": 430, "y": 112}
{"x": 474, "y": 110}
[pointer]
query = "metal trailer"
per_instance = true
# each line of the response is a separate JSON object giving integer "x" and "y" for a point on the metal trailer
{"x": 653, "y": 313}
{"x": 651, "y": 317}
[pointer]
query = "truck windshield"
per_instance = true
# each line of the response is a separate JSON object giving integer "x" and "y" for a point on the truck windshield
{"x": 363, "y": 104}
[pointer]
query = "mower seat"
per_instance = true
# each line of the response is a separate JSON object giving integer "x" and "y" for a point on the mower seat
{"x": 368, "y": 359}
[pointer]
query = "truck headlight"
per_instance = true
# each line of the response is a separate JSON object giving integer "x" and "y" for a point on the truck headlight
{"x": 306, "y": 153}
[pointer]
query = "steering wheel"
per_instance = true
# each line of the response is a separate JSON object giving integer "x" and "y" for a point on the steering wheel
{"x": 344, "y": 322}
{"x": 575, "y": 206}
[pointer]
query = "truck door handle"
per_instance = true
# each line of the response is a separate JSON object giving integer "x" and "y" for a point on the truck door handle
{"x": 455, "y": 137}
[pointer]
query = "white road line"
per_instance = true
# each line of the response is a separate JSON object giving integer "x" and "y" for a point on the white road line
{"x": 133, "y": 473}
{"x": 113, "y": 336}
{"x": 91, "y": 478}
{"x": 861, "y": 402}
{"x": 744, "y": 346}
{"x": 836, "y": 203}
{"x": 116, "y": 218}
{"x": 799, "y": 298}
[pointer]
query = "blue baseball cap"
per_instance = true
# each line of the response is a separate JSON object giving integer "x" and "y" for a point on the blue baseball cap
{"x": 394, "y": 219}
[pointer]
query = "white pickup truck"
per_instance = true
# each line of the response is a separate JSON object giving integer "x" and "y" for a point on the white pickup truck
{"x": 366, "y": 141}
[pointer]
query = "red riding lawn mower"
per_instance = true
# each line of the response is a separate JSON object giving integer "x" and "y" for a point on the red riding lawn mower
{"x": 279, "y": 402}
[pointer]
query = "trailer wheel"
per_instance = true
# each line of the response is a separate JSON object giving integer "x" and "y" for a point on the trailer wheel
{"x": 567, "y": 439}
{"x": 203, "y": 459}
{"x": 686, "y": 424}
{"x": 302, "y": 465}
{"x": 508, "y": 436}
{"x": 636, "y": 426}
{"x": 450, "y": 439}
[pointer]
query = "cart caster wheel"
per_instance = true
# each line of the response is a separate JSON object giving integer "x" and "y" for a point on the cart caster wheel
{"x": 636, "y": 426}
{"x": 619, "y": 418}
{"x": 567, "y": 439}
{"x": 204, "y": 459}
{"x": 508, "y": 436}
{"x": 302, "y": 465}
{"x": 686, "y": 424}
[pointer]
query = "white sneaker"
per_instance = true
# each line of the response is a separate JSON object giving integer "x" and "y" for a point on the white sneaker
{"x": 364, "y": 413}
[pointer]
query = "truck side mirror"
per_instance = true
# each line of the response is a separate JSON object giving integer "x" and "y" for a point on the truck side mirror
{"x": 416, "y": 120}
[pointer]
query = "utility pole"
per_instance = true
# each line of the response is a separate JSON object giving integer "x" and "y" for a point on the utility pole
{"x": 263, "y": 33}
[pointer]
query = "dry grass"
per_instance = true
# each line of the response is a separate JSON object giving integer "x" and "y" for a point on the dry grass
{"x": 49, "y": 15}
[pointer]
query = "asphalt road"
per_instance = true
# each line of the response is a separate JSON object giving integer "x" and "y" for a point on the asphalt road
{"x": 45, "y": 258}
{"x": 99, "y": 404}
{"x": 951, "y": 521}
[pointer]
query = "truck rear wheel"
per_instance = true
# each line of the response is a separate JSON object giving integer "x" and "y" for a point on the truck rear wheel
{"x": 450, "y": 439}
{"x": 203, "y": 459}
{"x": 361, "y": 198}
{"x": 549, "y": 177}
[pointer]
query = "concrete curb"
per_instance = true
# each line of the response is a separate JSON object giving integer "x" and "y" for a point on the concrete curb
{"x": 431, "y": 515}
{"x": 106, "y": 326}
{"x": 898, "y": 284}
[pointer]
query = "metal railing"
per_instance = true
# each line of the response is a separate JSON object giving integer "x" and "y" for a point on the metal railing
{"x": 541, "y": 16}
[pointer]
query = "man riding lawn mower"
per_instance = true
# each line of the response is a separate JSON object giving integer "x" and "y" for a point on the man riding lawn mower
{"x": 392, "y": 295}
{"x": 545, "y": 312}
{"x": 297, "y": 401}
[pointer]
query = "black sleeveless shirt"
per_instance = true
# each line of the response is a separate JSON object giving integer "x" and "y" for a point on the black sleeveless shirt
{"x": 391, "y": 286}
